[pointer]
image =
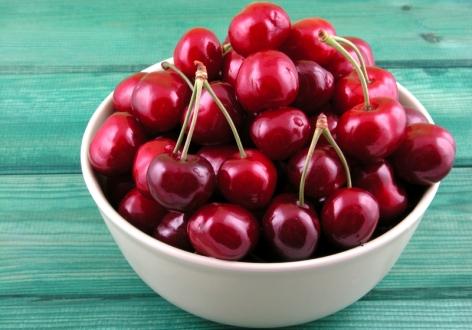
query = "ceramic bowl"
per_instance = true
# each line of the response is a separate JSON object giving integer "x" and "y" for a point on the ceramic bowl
{"x": 254, "y": 294}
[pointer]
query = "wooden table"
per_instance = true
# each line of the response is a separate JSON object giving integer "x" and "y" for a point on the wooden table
{"x": 59, "y": 267}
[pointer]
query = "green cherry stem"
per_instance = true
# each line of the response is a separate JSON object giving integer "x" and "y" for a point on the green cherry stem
{"x": 332, "y": 142}
{"x": 169, "y": 66}
{"x": 329, "y": 40}
{"x": 347, "y": 42}
{"x": 180, "y": 139}
{"x": 227, "y": 48}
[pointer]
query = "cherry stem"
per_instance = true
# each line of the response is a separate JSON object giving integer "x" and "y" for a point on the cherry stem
{"x": 180, "y": 139}
{"x": 347, "y": 42}
{"x": 230, "y": 121}
{"x": 329, "y": 40}
{"x": 227, "y": 48}
{"x": 169, "y": 66}
{"x": 332, "y": 142}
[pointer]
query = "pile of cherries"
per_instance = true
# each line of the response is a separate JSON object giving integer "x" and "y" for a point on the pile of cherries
{"x": 244, "y": 150}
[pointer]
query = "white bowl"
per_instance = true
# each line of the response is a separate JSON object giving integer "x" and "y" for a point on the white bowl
{"x": 254, "y": 294}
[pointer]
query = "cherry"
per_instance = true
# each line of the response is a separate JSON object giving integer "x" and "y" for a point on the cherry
{"x": 259, "y": 26}
{"x": 413, "y": 116}
{"x": 144, "y": 156}
{"x": 159, "y": 99}
{"x": 141, "y": 211}
{"x": 116, "y": 187}
{"x": 279, "y": 133}
{"x": 232, "y": 61}
{"x": 172, "y": 230}
{"x": 199, "y": 44}
{"x": 123, "y": 91}
{"x": 291, "y": 229}
{"x": 217, "y": 155}
{"x": 349, "y": 217}
{"x": 115, "y": 143}
{"x": 378, "y": 179}
{"x": 223, "y": 231}
{"x": 267, "y": 79}
{"x": 303, "y": 42}
{"x": 316, "y": 86}
{"x": 426, "y": 154}
{"x": 249, "y": 181}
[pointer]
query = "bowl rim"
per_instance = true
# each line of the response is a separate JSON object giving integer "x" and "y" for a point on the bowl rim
{"x": 194, "y": 259}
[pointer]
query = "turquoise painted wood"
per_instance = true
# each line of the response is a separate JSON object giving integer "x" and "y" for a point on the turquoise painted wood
{"x": 60, "y": 268}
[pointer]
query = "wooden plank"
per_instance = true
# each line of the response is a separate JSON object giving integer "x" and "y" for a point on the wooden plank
{"x": 53, "y": 35}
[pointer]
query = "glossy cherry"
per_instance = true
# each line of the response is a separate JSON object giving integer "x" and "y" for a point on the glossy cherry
{"x": 181, "y": 185}
{"x": 250, "y": 181}
{"x": 141, "y": 211}
{"x": 267, "y": 79}
{"x": 123, "y": 92}
{"x": 259, "y": 26}
{"x": 115, "y": 143}
{"x": 378, "y": 179}
{"x": 217, "y": 155}
{"x": 199, "y": 44}
{"x": 280, "y": 132}
{"x": 316, "y": 86}
{"x": 349, "y": 217}
{"x": 146, "y": 153}
{"x": 172, "y": 230}
{"x": 413, "y": 116}
{"x": 303, "y": 42}
{"x": 223, "y": 231}
{"x": 372, "y": 134}
{"x": 159, "y": 100}
{"x": 292, "y": 230}
{"x": 426, "y": 154}
{"x": 232, "y": 61}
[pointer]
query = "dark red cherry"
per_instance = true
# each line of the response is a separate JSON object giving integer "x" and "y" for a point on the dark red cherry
{"x": 249, "y": 182}
{"x": 267, "y": 79}
{"x": 115, "y": 143}
{"x": 281, "y": 132}
{"x": 180, "y": 185}
{"x": 413, "y": 116}
{"x": 212, "y": 127}
{"x": 172, "y": 230}
{"x": 325, "y": 172}
{"x": 123, "y": 92}
{"x": 232, "y": 61}
{"x": 426, "y": 154}
{"x": 116, "y": 187}
{"x": 159, "y": 100}
{"x": 259, "y": 26}
{"x": 146, "y": 153}
{"x": 141, "y": 211}
{"x": 348, "y": 90}
{"x": 199, "y": 44}
{"x": 369, "y": 135}
{"x": 349, "y": 217}
{"x": 217, "y": 155}
{"x": 339, "y": 66}
{"x": 292, "y": 230}
{"x": 223, "y": 231}
{"x": 378, "y": 179}
{"x": 303, "y": 42}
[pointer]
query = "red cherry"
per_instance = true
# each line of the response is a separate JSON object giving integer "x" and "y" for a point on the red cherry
{"x": 123, "y": 92}
{"x": 212, "y": 127}
{"x": 115, "y": 143}
{"x": 348, "y": 90}
{"x": 349, "y": 217}
{"x": 180, "y": 185}
{"x": 281, "y": 132}
{"x": 267, "y": 79}
{"x": 141, "y": 211}
{"x": 249, "y": 182}
{"x": 146, "y": 153}
{"x": 223, "y": 231}
{"x": 116, "y": 187}
{"x": 199, "y": 44}
{"x": 259, "y": 26}
{"x": 325, "y": 172}
{"x": 232, "y": 61}
{"x": 426, "y": 154}
{"x": 378, "y": 179}
{"x": 369, "y": 135}
{"x": 217, "y": 155}
{"x": 172, "y": 230}
{"x": 316, "y": 86}
{"x": 303, "y": 42}
{"x": 413, "y": 116}
{"x": 292, "y": 230}
{"x": 159, "y": 100}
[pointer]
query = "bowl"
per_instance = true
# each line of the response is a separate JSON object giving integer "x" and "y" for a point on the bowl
{"x": 254, "y": 294}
